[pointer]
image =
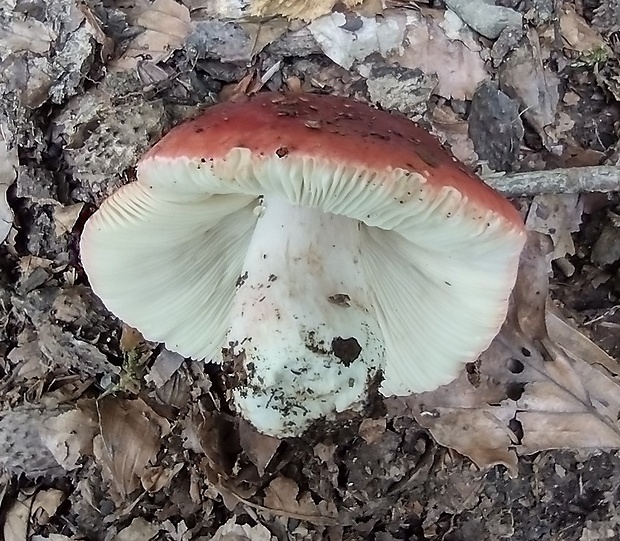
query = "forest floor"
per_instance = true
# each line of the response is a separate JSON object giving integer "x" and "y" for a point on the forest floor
{"x": 106, "y": 437}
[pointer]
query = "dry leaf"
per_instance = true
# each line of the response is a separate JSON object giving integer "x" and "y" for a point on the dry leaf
{"x": 293, "y": 9}
{"x": 577, "y": 32}
{"x": 45, "y": 504}
{"x": 131, "y": 339}
{"x": 165, "y": 366}
{"x": 454, "y": 131}
{"x": 29, "y": 35}
{"x": 259, "y": 448}
{"x": 138, "y": 530}
{"x": 166, "y": 24}
{"x": 524, "y": 78}
{"x": 384, "y": 35}
{"x": 372, "y": 430}
{"x": 231, "y": 531}
{"x": 577, "y": 345}
{"x": 16, "y": 519}
{"x": 129, "y": 440}
{"x": 157, "y": 477}
{"x": 281, "y": 497}
{"x": 556, "y": 215}
{"x": 65, "y": 217}
{"x": 69, "y": 436}
{"x": 408, "y": 39}
{"x": 8, "y": 173}
{"x": 459, "y": 67}
{"x": 28, "y": 509}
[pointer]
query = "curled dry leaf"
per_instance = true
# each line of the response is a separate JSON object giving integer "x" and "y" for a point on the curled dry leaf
{"x": 128, "y": 442}
{"x": 30, "y": 509}
{"x": 282, "y": 497}
{"x": 528, "y": 392}
{"x": 157, "y": 477}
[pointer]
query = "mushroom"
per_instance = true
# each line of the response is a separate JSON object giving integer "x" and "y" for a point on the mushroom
{"x": 321, "y": 243}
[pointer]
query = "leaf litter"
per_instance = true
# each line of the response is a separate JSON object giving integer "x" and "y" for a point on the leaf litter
{"x": 143, "y": 438}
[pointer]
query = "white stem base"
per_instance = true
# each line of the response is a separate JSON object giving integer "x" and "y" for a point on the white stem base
{"x": 303, "y": 320}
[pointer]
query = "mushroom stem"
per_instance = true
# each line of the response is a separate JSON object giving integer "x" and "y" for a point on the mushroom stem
{"x": 303, "y": 319}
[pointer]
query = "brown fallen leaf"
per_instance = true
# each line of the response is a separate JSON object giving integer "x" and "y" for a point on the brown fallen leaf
{"x": 166, "y": 24}
{"x": 524, "y": 78}
{"x": 259, "y": 448}
{"x": 577, "y": 33}
{"x": 428, "y": 47}
{"x": 29, "y": 508}
{"x": 69, "y": 436}
{"x": 556, "y": 215}
{"x": 139, "y": 530}
{"x": 282, "y": 498}
{"x": 128, "y": 442}
{"x": 372, "y": 430}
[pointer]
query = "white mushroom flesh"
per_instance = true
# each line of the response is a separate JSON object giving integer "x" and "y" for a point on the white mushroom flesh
{"x": 303, "y": 320}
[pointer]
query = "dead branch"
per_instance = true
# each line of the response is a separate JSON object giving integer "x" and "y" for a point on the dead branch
{"x": 601, "y": 178}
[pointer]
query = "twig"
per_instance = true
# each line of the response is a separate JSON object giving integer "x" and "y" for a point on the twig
{"x": 600, "y": 178}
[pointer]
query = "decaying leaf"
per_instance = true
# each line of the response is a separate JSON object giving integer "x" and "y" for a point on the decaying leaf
{"x": 528, "y": 391}
{"x": 22, "y": 450}
{"x": 577, "y": 33}
{"x": 8, "y": 173}
{"x": 405, "y": 38}
{"x": 69, "y": 436}
{"x": 524, "y": 78}
{"x": 138, "y": 530}
{"x": 17, "y": 516}
{"x": 166, "y": 25}
{"x": 259, "y": 448}
{"x": 233, "y": 531}
{"x": 556, "y": 215}
{"x": 29, "y": 508}
{"x": 66, "y": 216}
{"x": 282, "y": 497}
{"x": 129, "y": 440}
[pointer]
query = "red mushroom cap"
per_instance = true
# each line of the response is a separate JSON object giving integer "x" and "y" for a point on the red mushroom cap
{"x": 332, "y": 128}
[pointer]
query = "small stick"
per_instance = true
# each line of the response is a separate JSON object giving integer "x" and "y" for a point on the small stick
{"x": 600, "y": 178}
